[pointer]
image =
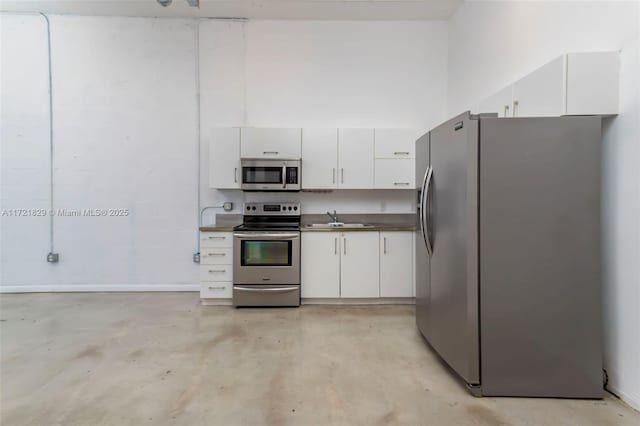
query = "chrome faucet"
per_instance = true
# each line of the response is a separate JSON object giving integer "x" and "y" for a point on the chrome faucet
{"x": 333, "y": 216}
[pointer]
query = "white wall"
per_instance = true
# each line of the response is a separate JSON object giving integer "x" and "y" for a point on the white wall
{"x": 621, "y": 232}
{"x": 125, "y": 124}
{"x": 24, "y": 145}
{"x": 494, "y": 43}
{"x": 124, "y": 137}
{"x": 321, "y": 74}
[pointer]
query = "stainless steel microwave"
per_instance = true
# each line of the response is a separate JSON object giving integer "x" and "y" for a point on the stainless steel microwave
{"x": 270, "y": 174}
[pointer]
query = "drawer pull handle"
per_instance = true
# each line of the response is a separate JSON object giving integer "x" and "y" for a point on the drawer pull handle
{"x": 216, "y": 254}
{"x": 401, "y": 183}
{"x": 217, "y": 270}
{"x": 217, "y": 238}
{"x": 217, "y": 288}
{"x": 401, "y": 153}
{"x": 270, "y": 152}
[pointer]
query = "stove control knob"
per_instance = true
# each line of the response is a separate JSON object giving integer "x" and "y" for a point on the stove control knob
{"x": 248, "y": 208}
{"x": 253, "y": 208}
{"x": 295, "y": 207}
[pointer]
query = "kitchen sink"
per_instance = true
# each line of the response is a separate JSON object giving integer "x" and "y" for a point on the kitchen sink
{"x": 338, "y": 225}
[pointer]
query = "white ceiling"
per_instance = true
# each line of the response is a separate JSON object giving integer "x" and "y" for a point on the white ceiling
{"x": 256, "y": 9}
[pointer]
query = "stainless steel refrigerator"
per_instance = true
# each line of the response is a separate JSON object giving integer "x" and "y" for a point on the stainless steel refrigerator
{"x": 508, "y": 285}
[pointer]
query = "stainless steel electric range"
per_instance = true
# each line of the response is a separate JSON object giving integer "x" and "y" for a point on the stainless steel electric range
{"x": 266, "y": 256}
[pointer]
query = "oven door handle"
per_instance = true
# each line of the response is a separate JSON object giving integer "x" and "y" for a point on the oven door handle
{"x": 267, "y": 235}
{"x": 271, "y": 289}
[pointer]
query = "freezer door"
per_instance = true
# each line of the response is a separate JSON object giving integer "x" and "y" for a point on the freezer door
{"x": 421, "y": 253}
{"x": 453, "y": 224}
{"x": 540, "y": 273}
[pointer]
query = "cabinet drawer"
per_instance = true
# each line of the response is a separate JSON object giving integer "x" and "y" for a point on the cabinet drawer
{"x": 216, "y": 272}
{"x": 395, "y": 174}
{"x": 396, "y": 143}
{"x": 216, "y": 256}
{"x": 216, "y": 239}
{"x": 216, "y": 290}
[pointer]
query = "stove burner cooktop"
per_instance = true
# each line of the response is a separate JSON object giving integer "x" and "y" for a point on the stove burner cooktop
{"x": 270, "y": 217}
{"x": 268, "y": 227}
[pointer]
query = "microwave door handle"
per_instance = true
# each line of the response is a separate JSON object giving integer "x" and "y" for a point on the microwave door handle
{"x": 284, "y": 177}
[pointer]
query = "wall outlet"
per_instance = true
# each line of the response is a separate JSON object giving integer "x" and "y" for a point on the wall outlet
{"x": 53, "y": 257}
{"x": 196, "y": 258}
{"x": 227, "y": 206}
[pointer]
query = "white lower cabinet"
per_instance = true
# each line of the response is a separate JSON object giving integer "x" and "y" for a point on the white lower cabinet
{"x": 396, "y": 264}
{"x": 341, "y": 265}
{"x": 359, "y": 265}
{"x": 216, "y": 265}
{"x": 320, "y": 264}
{"x": 216, "y": 290}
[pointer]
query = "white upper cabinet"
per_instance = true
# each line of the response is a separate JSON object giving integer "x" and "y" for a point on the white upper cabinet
{"x": 270, "y": 143}
{"x": 592, "y": 83}
{"x": 573, "y": 84}
{"x": 319, "y": 158}
{"x": 320, "y": 264}
{"x": 355, "y": 158}
{"x": 396, "y": 143}
{"x": 359, "y": 265}
{"x": 500, "y": 103}
{"x": 224, "y": 158}
{"x": 395, "y": 174}
{"x": 541, "y": 93}
{"x": 396, "y": 264}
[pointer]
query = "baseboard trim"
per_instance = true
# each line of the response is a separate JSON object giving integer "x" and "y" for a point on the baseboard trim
{"x": 632, "y": 401}
{"x": 359, "y": 301}
{"x": 73, "y": 288}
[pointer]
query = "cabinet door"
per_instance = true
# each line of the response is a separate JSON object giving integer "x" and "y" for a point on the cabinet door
{"x": 396, "y": 143}
{"x": 395, "y": 174}
{"x": 500, "y": 103}
{"x": 396, "y": 264}
{"x": 541, "y": 93}
{"x": 320, "y": 264}
{"x": 319, "y": 158}
{"x": 270, "y": 143}
{"x": 359, "y": 265}
{"x": 355, "y": 158}
{"x": 592, "y": 83}
{"x": 224, "y": 158}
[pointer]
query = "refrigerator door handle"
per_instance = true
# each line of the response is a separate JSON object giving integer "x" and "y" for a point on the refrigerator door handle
{"x": 421, "y": 205}
{"x": 424, "y": 201}
{"x": 426, "y": 213}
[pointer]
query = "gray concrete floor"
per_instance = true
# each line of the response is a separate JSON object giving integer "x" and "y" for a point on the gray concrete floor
{"x": 161, "y": 358}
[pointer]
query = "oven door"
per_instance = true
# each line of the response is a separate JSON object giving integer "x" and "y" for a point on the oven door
{"x": 269, "y": 258}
